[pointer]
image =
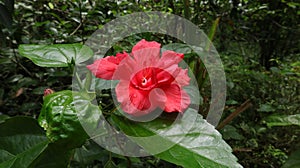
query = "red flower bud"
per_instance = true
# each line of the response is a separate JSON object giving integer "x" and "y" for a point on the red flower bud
{"x": 48, "y": 91}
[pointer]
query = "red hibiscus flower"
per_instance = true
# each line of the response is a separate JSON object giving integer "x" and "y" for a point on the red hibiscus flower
{"x": 148, "y": 79}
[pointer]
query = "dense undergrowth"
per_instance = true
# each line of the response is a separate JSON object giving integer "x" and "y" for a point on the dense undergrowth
{"x": 262, "y": 107}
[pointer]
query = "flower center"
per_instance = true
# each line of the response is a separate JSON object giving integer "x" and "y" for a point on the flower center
{"x": 144, "y": 81}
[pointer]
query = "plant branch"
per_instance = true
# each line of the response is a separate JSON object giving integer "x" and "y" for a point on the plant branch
{"x": 234, "y": 114}
{"x": 16, "y": 61}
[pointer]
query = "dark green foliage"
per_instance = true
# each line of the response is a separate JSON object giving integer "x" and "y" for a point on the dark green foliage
{"x": 293, "y": 161}
{"x": 258, "y": 42}
{"x": 22, "y": 141}
{"x": 24, "y": 144}
{"x": 275, "y": 98}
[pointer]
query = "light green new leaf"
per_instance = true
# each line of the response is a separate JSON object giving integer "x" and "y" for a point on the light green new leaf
{"x": 201, "y": 146}
{"x": 56, "y": 55}
{"x": 21, "y": 142}
{"x": 283, "y": 120}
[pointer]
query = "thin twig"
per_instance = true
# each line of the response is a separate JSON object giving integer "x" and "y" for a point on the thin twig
{"x": 242, "y": 150}
{"x": 16, "y": 61}
{"x": 283, "y": 27}
{"x": 234, "y": 114}
{"x": 77, "y": 28}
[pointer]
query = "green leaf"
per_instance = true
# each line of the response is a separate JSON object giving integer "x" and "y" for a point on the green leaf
{"x": 21, "y": 141}
{"x": 56, "y": 55}
{"x": 3, "y": 118}
{"x": 101, "y": 84}
{"x": 283, "y": 120}
{"x": 293, "y": 161}
{"x": 231, "y": 102}
{"x": 90, "y": 152}
{"x": 51, "y": 6}
{"x": 55, "y": 155}
{"x": 59, "y": 118}
{"x": 230, "y": 132}
{"x": 266, "y": 108}
{"x": 293, "y": 4}
{"x": 178, "y": 47}
{"x": 110, "y": 164}
{"x": 201, "y": 146}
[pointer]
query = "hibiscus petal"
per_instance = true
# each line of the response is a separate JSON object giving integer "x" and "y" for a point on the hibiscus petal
{"x": 145, "y": 44}
{"x": 139, "y": 98}
{"x": 122, "y": 91}
{"x": 177, "y": 99}
{"x": 182, "y": 77}
{"x": 169, "y": 62}
{"x": 125, "y": 69}
{"x": 133, "y": 101}
{"x": 105, "y": 67}
{"x": 146, "y": 53}
{"x": 157, "y": 98}
{"x": 163, "y": 77}
{"x": 170, "y": 58}
{"x": 146, "y": 57}
{"x": 121, "y": 56}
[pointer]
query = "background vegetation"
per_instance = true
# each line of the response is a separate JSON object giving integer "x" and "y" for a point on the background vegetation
{"x": 258, "y": 42}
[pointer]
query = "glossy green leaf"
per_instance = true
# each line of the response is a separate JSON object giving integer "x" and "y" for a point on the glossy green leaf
{"x": 55, "y": 155}
{"x": 202, "y": 146}
{"x": 56, "y": 55}
{"x": 293, "y": 161}
{"x": 22, "y": 140}
{"x": 59, "y": 118}
{"x": 283, "y": 120}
